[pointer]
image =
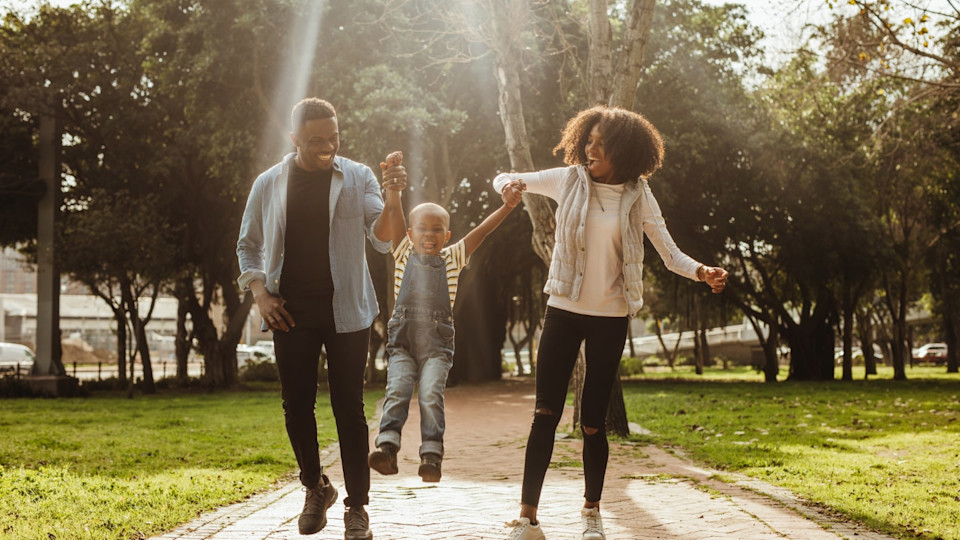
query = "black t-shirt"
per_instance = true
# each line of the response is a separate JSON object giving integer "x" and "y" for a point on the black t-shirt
{"x": 305, "y": 278}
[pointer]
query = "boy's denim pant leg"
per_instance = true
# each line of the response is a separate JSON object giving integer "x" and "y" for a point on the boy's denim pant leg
{"x": 433, "y": 382}
{"x": 430, "y": 376}
{"x": 401, "y": 379}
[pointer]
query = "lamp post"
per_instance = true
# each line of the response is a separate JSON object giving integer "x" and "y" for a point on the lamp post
{"x": 49, "y": 376}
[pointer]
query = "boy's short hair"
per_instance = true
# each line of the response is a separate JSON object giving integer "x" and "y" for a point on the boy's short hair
{"x": 310, "y": 109}
{"x": 429, "y": 207}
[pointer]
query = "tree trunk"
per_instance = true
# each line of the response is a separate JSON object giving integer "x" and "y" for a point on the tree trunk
{"x": 698, "y": 352}
{"x": 219, "y": 350}
{"x": 121, "y": 318}
{"x": 865, "y": 326}
{"x": 208, "y": 341}
{"x": 480, "y": 309}
{"x": 771, "y": 354}
{"x": 600, "y": 54}
{"x": 617, "y": 410}
{"x": 847, "y": 330}
{"x": 630, "y": 58}
{"x": 182, "y": 342}
{"x": 705, "y": 343}
{"x": 900, "y": 331}
{"x": 811, "y": 339}
{"x": 824, "y": 345}
{"x": 671, "y": 355}
{"x": 143, "y": 347}
{"x": 579, "y": 374}
{"x": 952, "y": 331}
{"x": 131, "y": 303}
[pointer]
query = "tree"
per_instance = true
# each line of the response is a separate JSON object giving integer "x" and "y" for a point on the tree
{"x": 140, "y": 256}
{"x": 106, "y": 200}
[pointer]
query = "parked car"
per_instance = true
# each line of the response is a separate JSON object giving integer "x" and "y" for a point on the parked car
{"x": 13, "y": 355}
{"x": 261, "y": 350}
{"x": 931, "y": 352}
{"x": 857, "y": 354}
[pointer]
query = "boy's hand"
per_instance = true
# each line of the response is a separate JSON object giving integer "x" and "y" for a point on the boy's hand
{"x": 512, "y": 193}
{"x": 393, "y": 173}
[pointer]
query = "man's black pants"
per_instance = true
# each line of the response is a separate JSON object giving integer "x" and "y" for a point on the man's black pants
{"x": 298, "y": 356}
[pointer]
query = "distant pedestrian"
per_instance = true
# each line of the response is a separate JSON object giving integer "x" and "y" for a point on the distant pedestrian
{"x": 605, "y": 208}
{"x": 301, "y": 252}
{"x": 420, "y": 332}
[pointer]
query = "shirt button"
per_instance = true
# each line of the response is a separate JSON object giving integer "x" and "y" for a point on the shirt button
{"x": 276, "y": 281}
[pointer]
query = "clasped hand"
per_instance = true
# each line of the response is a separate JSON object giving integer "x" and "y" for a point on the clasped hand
{"x": 394, "y": 174}
{"x": 512, "y": 193}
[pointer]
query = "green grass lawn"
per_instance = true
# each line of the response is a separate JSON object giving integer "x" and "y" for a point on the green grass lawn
{"x": 881, "y": 452}
{"x": 110, "y": 467}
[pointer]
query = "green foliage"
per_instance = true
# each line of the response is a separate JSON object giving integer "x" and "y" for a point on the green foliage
{"x": 110, "y": 467}
{"x": 630, "y": 366}
{"x": 20, "y": 189}
{"x": 882, "y": 453}
{"x": 259, "y": 370}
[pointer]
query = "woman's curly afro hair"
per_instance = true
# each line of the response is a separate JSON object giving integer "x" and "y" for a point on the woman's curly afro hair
{"x": 633, "y": 146}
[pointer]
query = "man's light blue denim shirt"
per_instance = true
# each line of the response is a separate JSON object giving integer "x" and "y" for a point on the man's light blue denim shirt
{"x": 355, "y": 204}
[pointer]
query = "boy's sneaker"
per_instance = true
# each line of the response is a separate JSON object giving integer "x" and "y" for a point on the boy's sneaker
{"x": 592, "y": 524}
{"x": 384, "y": 459}
{"x": 356, "y": 524}
{"x": 314, "y": 516}
{"x": 524, "y": 530}
{"x": 430, "y": 467}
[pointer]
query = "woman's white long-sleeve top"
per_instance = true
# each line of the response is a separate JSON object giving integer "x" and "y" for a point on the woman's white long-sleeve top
{"x": 639, "y": 215}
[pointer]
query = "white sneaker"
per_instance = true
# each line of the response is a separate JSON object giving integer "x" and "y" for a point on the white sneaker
{"x": 523, "y": 530}
{"x": 592, "y": 524}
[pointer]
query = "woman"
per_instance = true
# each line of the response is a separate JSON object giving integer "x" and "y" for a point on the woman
{"x": 605, "y": 207}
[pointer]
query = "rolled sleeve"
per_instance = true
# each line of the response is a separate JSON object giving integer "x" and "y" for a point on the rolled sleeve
{"x": 500, "y": 181}
{"x": 250, "y": 252}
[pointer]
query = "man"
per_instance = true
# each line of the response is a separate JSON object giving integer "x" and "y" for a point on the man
{"x": 301, "y": 252}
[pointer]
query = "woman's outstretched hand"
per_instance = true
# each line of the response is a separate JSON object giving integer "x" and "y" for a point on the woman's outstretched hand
{"x": 512, "y": 193}
{"x": 715, "y": 277}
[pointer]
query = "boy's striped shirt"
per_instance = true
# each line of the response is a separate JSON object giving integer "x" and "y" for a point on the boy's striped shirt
{"x": 454, "y": 256}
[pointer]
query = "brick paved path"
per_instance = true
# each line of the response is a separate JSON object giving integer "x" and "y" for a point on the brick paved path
{"x": 648, "y": 493}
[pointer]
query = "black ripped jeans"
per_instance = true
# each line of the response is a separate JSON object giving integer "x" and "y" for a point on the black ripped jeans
{"x": 563, "y": 332}
{"x": 298, "y": 358}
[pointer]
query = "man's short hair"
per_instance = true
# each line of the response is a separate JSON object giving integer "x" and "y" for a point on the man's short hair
{"x": 310, "y": 109}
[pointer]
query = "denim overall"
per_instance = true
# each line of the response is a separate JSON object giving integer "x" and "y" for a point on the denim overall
{"x": 420, "y": 351}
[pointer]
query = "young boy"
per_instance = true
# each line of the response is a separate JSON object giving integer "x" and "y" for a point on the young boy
{"x": 420, "y": 332}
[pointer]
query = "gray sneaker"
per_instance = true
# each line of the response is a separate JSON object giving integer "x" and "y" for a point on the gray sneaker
{"x": 592, "y": 524}
{"x": 356, "y": 524}
{"x": 314, "y": 516}
{"x": 522, "y": 529}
